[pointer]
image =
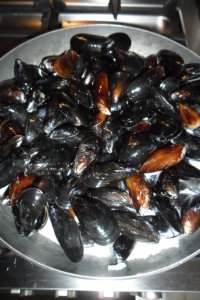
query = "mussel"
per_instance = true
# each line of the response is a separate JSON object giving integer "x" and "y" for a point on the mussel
{"x": 96, "y": 219}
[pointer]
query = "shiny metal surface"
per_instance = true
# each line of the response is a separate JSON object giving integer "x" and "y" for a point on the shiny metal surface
{"x": 17, "y": 274}
{"x": 149, "y": 259}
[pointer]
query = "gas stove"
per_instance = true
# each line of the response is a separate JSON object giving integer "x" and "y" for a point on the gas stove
{"x": 22, "y": 20}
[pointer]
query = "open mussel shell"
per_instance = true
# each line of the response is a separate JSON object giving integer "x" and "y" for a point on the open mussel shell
{"x": 97, "y": 219}
{"x": 28, "y": 209}
{"x": 117, "y": 86}
{"x": 65, "y": 64}
{"x": 67, "y": 232}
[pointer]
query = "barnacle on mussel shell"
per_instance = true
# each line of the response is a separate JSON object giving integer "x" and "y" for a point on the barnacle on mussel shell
{"x": 104, "y": 143}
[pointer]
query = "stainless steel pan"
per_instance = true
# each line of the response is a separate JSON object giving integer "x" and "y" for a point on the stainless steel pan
{"x": 42, "y": 248}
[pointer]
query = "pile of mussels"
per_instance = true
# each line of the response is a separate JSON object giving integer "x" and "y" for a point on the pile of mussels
{"x": 100, "y": 140}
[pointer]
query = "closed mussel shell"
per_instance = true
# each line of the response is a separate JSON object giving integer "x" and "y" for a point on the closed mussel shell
{"x": 137, "y": 149}
{"x": 136, "y": 227}
{"x": 97, "y": 219}
{"x": 28, "y": 209}
{"x": 67, "y": 232}
{"x": 123, "y": 247}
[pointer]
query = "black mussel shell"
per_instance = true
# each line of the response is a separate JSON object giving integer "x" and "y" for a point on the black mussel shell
{"x": 67, "y": 188}
{"x": 48, "y": 186}
{"x": 171, "y": 62}
{"x": 10, "y": 144}
{"x": 135, "y": 227}
{"x": 35, "y": 125}
{"x": 67, "y": 232}
{"x": 47, "y": 63}
{"x": 169, "y": 85}
{"x": 170, "y": 213}
{"x": 111, "y": 196}
{"x": 163, "y": 105}
{"x": 78, "y": 91}
{"x": 102, "y": 174}
{"x": 69, "y": 134}
{"x": 90, "y": 43}
{"x": 97, "y": 220}
{"x": 137, "y": 149}
{"x": 10, "y": 128}
{"x": 163, "y": 129}
{"x": 28, "y": 209}
{"x": 129, "y": 62}
{"x": 49, "y": 162}
{"x": 12, "y": 93}
{"x": 190, "y": 71}
{"x": 123, "y": 247}
{"x": 167, "y": 185}
{"x": 121, "y": 40}
{"x": 25, "y": 73}
{"x": 140, "y": 87}
{"x": 189, "y": 93}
